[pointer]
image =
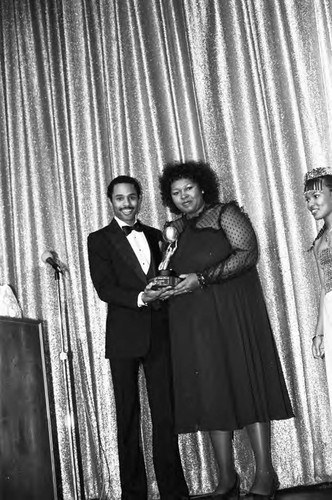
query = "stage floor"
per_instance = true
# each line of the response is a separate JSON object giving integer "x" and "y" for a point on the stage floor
{"x": 317, "y": 492}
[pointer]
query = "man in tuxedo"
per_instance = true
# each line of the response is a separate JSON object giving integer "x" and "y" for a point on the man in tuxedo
{"x": 123, "y": 256}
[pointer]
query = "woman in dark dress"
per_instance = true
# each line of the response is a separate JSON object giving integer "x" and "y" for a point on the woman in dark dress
{"x": 227, "y": 373}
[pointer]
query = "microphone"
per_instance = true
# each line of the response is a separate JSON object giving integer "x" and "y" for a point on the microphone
{"x": 47, "y": 258}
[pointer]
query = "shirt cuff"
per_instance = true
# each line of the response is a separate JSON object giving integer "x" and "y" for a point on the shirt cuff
{"x": 140, "y": 301}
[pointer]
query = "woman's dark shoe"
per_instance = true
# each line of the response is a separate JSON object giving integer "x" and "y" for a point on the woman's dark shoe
{"x": 270, "y": 496}
{"x": 232, "y": 494}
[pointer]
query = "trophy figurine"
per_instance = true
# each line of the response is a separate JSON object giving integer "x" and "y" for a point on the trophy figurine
{"x": 167, "y": 277}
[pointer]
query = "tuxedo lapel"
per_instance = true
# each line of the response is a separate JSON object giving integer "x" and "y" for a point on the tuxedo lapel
{"x": 119, "y": 240}
{"x": 154, "y": 249}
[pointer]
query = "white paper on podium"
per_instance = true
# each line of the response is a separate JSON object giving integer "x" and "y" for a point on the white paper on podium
{"x": 8, "y": 303}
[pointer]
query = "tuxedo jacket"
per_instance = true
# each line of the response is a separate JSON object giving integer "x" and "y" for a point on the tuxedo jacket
{"x": 118, "y": 279}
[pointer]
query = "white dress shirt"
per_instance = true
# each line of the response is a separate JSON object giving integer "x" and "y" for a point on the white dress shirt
{"x": 139, "y": 244}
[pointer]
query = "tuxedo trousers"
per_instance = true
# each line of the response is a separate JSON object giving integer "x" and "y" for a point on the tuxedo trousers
{"x": 166, "y": 457}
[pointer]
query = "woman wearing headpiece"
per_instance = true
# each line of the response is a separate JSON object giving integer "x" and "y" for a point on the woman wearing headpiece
{"x": 318, "y": 196}
{"x": 227, "y": 374}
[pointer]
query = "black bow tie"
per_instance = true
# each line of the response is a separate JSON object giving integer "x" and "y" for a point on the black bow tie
{"x": 136, "y": 227}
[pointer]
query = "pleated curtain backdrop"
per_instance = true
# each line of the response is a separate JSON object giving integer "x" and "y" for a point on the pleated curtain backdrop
{"x": 91, "y": 89}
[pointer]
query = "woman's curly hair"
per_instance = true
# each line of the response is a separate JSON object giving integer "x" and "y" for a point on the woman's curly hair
{"x": 197, "y": 171}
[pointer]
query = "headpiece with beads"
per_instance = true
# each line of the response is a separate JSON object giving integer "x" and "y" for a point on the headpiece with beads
{"x": 313, "y": 179}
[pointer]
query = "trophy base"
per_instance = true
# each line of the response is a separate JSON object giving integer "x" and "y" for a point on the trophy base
{"x": 163, "y": 281}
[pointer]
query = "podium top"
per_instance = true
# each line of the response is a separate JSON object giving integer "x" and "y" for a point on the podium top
{"x": 22, "y": 321}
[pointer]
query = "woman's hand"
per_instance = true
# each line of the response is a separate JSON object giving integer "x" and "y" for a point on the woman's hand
{"x": 318, "y": 346}
{"x": 166, "y": 293}
{"x": 150, "y": 295}
{"x": 189, "y": 283}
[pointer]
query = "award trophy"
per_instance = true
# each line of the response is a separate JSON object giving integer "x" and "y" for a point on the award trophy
{"x": 167, "y": 277}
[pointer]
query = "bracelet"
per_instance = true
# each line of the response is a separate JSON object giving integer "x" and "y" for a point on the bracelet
{"x": 318, "y": 335}
{"x": 201, "y": 280}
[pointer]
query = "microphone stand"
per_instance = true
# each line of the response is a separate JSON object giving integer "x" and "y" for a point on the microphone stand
{"x": 66, "y": 376}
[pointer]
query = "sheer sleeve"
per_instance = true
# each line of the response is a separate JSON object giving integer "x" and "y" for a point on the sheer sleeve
{"x": 241, "y": 236}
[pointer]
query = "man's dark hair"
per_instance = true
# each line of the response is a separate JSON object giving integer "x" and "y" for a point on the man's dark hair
{"x": 123, "y": 179}
{"x": 197, "y": 171}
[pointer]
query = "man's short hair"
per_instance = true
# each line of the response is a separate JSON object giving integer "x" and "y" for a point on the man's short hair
{"x": 124, "y": 179}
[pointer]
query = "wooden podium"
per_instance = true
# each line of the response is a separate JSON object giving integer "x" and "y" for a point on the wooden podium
{"x": 27, "y": 470}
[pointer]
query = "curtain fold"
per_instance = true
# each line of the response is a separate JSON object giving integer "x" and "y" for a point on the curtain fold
{"x": 93, "y": 89}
